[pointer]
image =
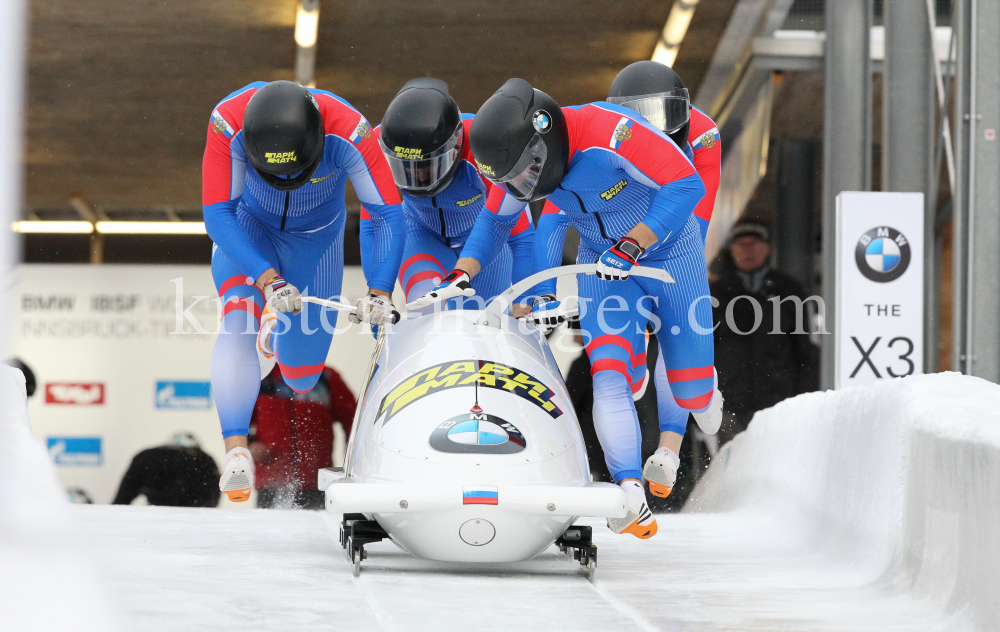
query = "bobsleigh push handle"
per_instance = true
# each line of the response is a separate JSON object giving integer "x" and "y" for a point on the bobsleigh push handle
{"x": 342, "y": 307}
{"x": 500, "y": 305}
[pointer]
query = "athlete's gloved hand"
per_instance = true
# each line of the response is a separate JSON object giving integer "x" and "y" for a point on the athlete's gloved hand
{"x": 617, "y": 260}
{"x": 374, "y": 310}
{"x": 546, "y": 313}
{"x": 455, "y": 284}
{"x": 282, "y": 296}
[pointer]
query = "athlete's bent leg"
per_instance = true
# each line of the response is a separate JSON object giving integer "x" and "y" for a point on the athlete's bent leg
{"x": 313, "y": 262}
{"x": 426, "y": 260}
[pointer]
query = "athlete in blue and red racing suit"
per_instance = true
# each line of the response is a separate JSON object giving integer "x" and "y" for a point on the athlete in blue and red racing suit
{"x": 423, "y": 136}
{"x": 630, "y": 193}
{"x": 283, "y": 233}
{"x": 657, "y": 92}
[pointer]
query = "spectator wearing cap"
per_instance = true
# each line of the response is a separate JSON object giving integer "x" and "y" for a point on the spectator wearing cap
{"x": 758, "y": 363}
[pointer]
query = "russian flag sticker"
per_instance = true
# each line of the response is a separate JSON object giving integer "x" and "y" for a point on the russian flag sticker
{"x": 479, "y": 495}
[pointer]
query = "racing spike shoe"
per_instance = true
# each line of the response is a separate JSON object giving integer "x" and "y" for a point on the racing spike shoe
{"x": 639, "y": 520}
{"x": 660, "y": 471}
{"x": 710, "y": 420}
{"x": 237, "y": 480}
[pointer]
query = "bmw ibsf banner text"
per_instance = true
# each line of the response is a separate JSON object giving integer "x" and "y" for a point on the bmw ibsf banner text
{"x": 880, "y": 286}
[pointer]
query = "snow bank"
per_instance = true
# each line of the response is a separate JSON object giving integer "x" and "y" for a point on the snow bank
{"x": 45, "y": 583}
{"x": 903, "y": 475}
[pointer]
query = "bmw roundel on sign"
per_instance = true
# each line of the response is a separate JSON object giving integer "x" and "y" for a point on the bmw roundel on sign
{"x": 477, "y": 433}
{"x": 882, "y": 254}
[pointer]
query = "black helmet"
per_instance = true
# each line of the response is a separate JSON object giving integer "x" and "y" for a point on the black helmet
{"x": 657, "y": 92}
{"x": 283, "y": 134}
{"x": 421, "y": 137}
{"x": 519, "y": 140}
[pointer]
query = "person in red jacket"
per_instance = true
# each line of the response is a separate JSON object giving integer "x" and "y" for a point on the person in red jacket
{"x": 291, "y": 437}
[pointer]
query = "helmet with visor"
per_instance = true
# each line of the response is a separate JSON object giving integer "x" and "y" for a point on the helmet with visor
{"x": 520, "y": 141}
{"x": 657, "y": 93}
{"x": 421, "y": 137}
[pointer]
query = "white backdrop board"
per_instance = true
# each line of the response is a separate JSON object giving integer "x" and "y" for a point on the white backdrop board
{"x": 113, "y": 378}
{"x": 880, "y": 286}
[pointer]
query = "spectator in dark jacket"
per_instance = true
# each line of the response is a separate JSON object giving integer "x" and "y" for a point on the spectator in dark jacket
{"x": 291, "y": 438}
{"x": 759, "y": 359}
{"x": 179, "y": 474}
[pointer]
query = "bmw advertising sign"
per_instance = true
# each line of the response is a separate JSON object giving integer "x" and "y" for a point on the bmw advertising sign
{"x": 882, "y": 254}
{"x": 879, "y": 324}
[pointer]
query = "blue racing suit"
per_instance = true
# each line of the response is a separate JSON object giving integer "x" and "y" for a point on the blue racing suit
{"x": 438, "y": 226}
{"x": 623, "y": 171}
{"x": 300, "y": 234}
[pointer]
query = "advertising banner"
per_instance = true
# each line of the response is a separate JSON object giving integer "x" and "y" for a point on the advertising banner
{"x": 880, "y": 286}
{"x": 122, "y": 356}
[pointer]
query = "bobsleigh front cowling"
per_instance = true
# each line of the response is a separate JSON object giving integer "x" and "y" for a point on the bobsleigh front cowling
{"x": 466, "y": 446}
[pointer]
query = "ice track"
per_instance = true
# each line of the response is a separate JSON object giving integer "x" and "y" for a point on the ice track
{"x": 874, "y": 508}
{"x": 191, "y": 569}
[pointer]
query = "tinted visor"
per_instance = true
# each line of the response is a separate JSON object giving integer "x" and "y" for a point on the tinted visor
{"x": 523, "y": 178}
{"x": 667, "y": 111}
{"x": 414, "y": 170}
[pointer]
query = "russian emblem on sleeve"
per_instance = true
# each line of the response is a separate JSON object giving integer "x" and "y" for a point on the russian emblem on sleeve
{"x": 218, "y": 124}
{"x": 364, "y": 129}
{"x": 622, "y": 133}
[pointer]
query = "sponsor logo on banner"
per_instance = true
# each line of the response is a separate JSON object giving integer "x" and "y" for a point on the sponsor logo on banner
{"x": 184, "y": 395}
{"x": 480, "y": 495}
{"x": 882, "y": 254}
{"x": 477, "y": 433}
{"x": 75, "y": 451}
{"x": 116, "y": 303}
{"x": 448, "y": 375}
{"x": 51, "y": 303}
{"x": 74, "y": 393}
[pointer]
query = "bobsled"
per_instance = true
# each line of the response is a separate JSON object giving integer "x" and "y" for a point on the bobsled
{"x": 465, "y": 446}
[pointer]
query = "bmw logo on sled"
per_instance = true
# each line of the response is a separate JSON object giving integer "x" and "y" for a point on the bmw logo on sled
{"x": 465, "y": 446}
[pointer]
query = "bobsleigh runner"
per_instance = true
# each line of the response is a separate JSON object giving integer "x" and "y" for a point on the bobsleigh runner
{"x": 465, "y": 446}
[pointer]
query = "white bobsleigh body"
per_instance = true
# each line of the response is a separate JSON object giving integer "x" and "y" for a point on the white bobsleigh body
{"x": 449, "y": 483}
{"x": 465, "y": 446}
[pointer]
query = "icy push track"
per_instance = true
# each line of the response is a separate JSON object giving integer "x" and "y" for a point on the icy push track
{"x": 870, "y": 508}
{"x": 200, "y": 569}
